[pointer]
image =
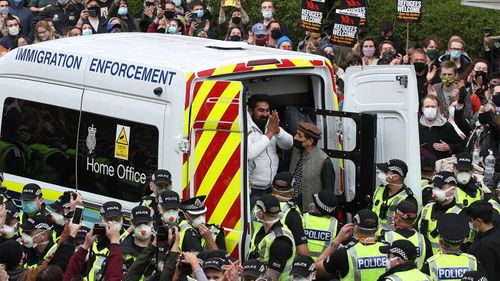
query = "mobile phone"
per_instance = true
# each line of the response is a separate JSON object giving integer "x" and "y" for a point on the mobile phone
{"x": 149, "y": 4}
{"x": 487, "y": 31}
{"x": 77, "y": 216}
{"x": 99, "y": 229}
{"x": 92, "y": 13}
{"x": 162, "y": 234}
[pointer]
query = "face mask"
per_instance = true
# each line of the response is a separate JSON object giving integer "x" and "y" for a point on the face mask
{"x": 236, "y": 20}
{"x": 235, "y": 38}
{"x": 122, "y": 11}
{"x": 198, "y": 221}
{"x": 382, "y": 178}
{"x": 331, "y": 57}
{"x": 87, "y": 32}
{"x": 161, "y": 30}
{"x": 171, "y": 216}
{"x": 44, "y": 36}
{"x": 261, "y": 42}
{"x": 368, "y": 52}
{"x": 438, "y": 194}
{"x": 267, "y": 14}
{"x": 8, "y": 231}
{"x": 172, "y": 30}
{"x": 177, "y": 2}
{"x": 142, "y": 232}
{"x": 432, "y": 53}
{"x": 255, "y": 217}
{"x": 63, "y": 2}
{"x": 276, "y": 34}
{"x": 419, "y": 66}
{"x": 463, "y": 177}
{"x": 58, "y": 219}
{"x": 93, "y": 11}
{"x": 447, "y": 80}
{"x": 388, "y": 262}
{"x": 27, "y": 240}
{"x": 200, "y": 13}
{"x": 271, "y": 222}
{"x": 14, "y": 30}
{"x": 297, "y": 144}
{"x": 117, "y": 225}
{"x": 430, "y": 113}
{"x": 4, "y": 11}
{"x": 30, "y": 208}
{"x": 169, "y": 14}
{"x": 451, "y": 111}
{"x": 455, "y": 54}
{"x": 389, "y": 55}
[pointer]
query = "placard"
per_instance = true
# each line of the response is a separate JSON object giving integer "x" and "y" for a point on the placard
{"x": 356, "y": 8}
{"x": 409, "y": 10}
{"x": 345, "y": 30}
{"x": 312, "y": 15}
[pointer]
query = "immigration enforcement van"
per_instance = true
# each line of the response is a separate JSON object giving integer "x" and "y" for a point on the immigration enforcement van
{"x": 99, "y": 114}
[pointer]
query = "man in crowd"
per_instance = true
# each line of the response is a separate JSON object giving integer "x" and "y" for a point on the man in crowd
{"x": 387, "y": 34}
{"x": 264, "y": 137}
{"x": 17, "y": 9}
{"x": 32, "y": 202}
{"x": 311, "y": 167}
{"x": 456, "y": 54}
{"x": 391, "y": 192}
{"x": 418, "y": 59}
{"x": 63, "y": 15}
{"x": 268, "y": 16}
{"x": 134, "y": 243}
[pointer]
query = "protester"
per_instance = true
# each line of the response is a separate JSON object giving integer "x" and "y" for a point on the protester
{"x": 369, "y": 51}
{"x": 456, "y": 54}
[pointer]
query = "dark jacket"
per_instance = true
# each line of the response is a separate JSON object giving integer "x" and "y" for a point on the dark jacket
{"x": 441, "y": 130}
{"x": 465, "y": 62}
{"x": 62, "y": 17}
{"x": 102, "y": 26}
{"x": 24, "y": 15}
{"x": 486, "y": 248}
{"x": 137, "y": 269}
{"x": 129, "y": 21}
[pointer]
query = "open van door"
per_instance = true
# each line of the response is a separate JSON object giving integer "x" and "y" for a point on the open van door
{"x": 391, "y": 93}
{"x": 217, "y": 167}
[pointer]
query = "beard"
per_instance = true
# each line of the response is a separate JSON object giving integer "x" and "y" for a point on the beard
{"x": 261, "y": 123}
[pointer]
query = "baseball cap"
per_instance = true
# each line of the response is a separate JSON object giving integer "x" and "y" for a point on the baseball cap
{"x": 464, "y": 162}
{"x": 11, "y": 253}
{"x": 269, "y": 204}
{"x": 473, "y": 276}
{"x": 82, "y": 232}
{"x": 213, "y": 262}
{"x": 195, "y": 206}
{"x": 302, "y": 266}
{"x": 394, "y": 165}
{"x": 407, "y": 210}
{"x": 366, "y": 219}
{"x": 169, "y": 199}
{"x": 282, "y": 182}
{"x": 442, "y": 178}
{"x": 31, "y": 191}
{"x": 161, "y": 176}
{"x": 401, "y": 248}
{"x": 140, "y": 214}
{"x": 111, "y": 209}
{"x": 325, "y": 201}
{"x": 259, "y": 29}
{"x": 310, "y": 130}
{"x": 63, "y": 202}
{"x": 11, "y": 211}
{"x": 253, "y": 268}
{"x": 453, "y": 228}
{"x": 37, "y": 222}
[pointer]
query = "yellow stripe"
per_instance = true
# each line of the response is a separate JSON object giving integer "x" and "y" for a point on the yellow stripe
{"x": 233, "y": 237}
{"x": 301, "y": 62}
{"x": 328, "y": 62}
{"x": 224, "y": 69}
{"x": 48, "y": 194}
{"x": 186, "y": 112}
{"x": 227, "y": 199}
{"x": 185, "y": 174}
{"x": 219, "y": 163}
{"x": 264, "y": 67}
{"x": 200, "y": 98}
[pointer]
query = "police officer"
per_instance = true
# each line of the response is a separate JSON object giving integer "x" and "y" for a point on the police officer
{"x": 290, "y": 214}
{"x": 474, "y": 276}
{"x": 360, "y": 259}
{"x": 134, "y": 243}
{"x": 32, "y": 202}
{"x": 427, "y": 171}
{"x": 404, "y": 218}
{"x": 444, "y": 188}
{"x": 450, "y": 263}
{"x": 320, "y": 225}
{"x": 303, "y": 269}
{"x": 60, "y": 212}
{"x": 273, "y": 244}
{"x": 160, "y": 180}
{"x": 468, "y": 189}
{"x": 111, "y": 214}
{"x": 36, "y": 239}
{"x": 195, "y": 229}
{"x": 391, "y": 191}
{"x": 253, "y": 269}
{"x": 401, "y": 262}
{"x": 169, "y": 205}
{"x": 9, "y": 229}
{"x": 4, "y": 197}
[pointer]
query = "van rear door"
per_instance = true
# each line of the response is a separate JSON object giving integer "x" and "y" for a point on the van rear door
{"x": 216, "y": 166}
{"x": 391, "y": 93}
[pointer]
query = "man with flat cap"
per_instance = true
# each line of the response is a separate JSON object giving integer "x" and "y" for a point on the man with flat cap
{"x": 320, "y": 225}
{"x": 401, "y": 256}
{"x": 468, "y": 189}
{"x": 273, "y": 244}
{"x": 291, "y": 216}
{"x": 359, "y": 259}
{"x": 450, "y": 263}
{"x": 195, "y": 234}
{"x": 442, "y": 193}
{"x": 392, "y": 190}
{"x": 404, "y": 219}
{"x": 311, "y": 167}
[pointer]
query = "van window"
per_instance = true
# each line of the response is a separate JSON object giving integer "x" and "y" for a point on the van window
{"x": 38, "y": 141}
{"x": 116, "y": 157}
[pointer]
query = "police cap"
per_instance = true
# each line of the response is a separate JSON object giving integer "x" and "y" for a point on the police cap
{"x": 31, "y": 191}
{"x": 268, "y": 204}
{"x": 401, "y": 248}
{"x": 444, "y": 177}
{"x": 282, "y": 182}
{"x": 394, "y": 165}
{"x": 407, "y": 210}
{"x": 169, "y": 199}
{"x": 111, "y": 209}
{"x": 366, "y": 219}
{"x": 161, "y": 176}
{"x": 140, "y": 214}
{"x": 325, "y": 201}
{"x": 464, "y": 161}
{"x": 195, "y": 206}
{"x": 302, "y": 266}
{"x": 452, "y": 228}
{"x": 253, "y": 268}
{"x": 37, "y": 222}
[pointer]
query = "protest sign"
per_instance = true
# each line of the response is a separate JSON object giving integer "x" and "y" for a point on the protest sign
{"x": 312, "y": 15}
{"x": 345, "y": 30}
{"x": 356, "y": 8}
{"x": 409, "y": 10}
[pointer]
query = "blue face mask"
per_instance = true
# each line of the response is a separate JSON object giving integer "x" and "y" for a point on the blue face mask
{"x": 29, "y": 207}
{"x": 200, "y": 13}
{"x": 455, "y": 54}
{"x": 122, "y": 11}
{"x": 177, "y": 2}
{"x": 87, "y": 32}
{"x": 17, "y": 2}
{"x": 172, "y": 30}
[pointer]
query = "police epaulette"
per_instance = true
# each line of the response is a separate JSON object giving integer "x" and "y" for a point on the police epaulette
{"x": 291, "y": 204}
{"x": 408, "y": 190}
{"x": 350, "y": 244}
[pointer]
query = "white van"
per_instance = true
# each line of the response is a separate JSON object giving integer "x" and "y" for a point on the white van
{"x": 101, "y": 113}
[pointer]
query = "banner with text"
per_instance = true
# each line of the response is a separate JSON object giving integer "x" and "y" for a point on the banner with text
{"x": 345, "y": 30}
{"x": 409, "y": 10}
{"x": 356, "y": 8}
{"x": 312, "y": 15}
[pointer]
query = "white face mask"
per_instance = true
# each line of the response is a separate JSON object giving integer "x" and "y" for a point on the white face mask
{"x": 28, "y": 241}
{"x": 198, "y": 221}
{"x": 463, "y": 177}
{"x": 440, "y": 195}
{"x": 388, "y": 262}
{"x": 8, "y": 231}
{"x": 382, "y": 178}
{"x": 143, "y": 232}
{"x": 58, "y": 219}
{"x": 117, "y": 225}
{"x": 171, "y": 216}
{"x": 430, "y": 113}
{"x": 471, "y": 226}
{"x": 14, "y": 30}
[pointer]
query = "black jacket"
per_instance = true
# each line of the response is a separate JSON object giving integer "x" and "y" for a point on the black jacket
{"x": 442, "y": 130}
{"x": 486, "y": 248}
{"x": 62, "y": 17}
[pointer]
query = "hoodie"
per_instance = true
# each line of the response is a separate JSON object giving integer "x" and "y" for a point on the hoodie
{"x": 465, "y": 61}
{"x": 24, "y": 15}
{"x": 439, "y": 130}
